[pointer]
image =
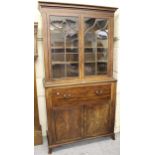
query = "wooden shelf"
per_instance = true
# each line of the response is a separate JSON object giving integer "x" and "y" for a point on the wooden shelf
{"x": 99, "y": 61}
{"x": 95, "y": 47}
{"x": 63, "y": 63}
{"x": 58, "y": 47}
{"x": 64, "y": 53}
{"x": 87, "y": 53}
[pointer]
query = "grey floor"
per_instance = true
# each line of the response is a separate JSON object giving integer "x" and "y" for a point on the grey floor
{"x": 99, "y": 146}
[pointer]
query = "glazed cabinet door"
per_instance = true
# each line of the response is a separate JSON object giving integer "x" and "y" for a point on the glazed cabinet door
{"x": 96, "y": 45}
{"x": 64, "y": 47}
{"x": 79, "y": 45}
{"x": 97, "y": 118}
{"x": 67, "y": 123}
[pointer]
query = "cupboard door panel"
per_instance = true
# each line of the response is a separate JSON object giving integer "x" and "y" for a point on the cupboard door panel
{"x": 68, "y": 123}
{"x": 97, "y": 120}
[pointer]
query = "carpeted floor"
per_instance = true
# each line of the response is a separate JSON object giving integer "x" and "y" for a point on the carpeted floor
{"x": 99, "y": 146}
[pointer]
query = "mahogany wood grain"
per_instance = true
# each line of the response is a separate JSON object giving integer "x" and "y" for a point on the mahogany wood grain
{"x": 96, "y": 91}
{"x": 43, "y": 4}
{"x": 68, "y": 122}
{"x": 97, "y": 118}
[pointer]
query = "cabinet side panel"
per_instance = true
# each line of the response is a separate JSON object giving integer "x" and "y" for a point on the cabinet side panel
{"x": 49, "y": 115}
{"x": 113, "y": 105}
{"x": 45, "y": 44}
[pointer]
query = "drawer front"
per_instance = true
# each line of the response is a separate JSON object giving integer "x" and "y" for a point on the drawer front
{"x": 83, "y": 93}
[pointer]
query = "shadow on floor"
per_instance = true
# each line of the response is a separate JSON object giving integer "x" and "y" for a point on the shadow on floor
{"x": 98, "y": 146}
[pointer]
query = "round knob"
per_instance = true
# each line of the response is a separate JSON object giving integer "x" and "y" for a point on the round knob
{"x": 58, "y": 93}
{"x": 67, "y": 96}
{"x": 99, "y": 92}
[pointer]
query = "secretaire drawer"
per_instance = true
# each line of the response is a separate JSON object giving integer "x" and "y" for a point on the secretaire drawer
{"x": 81, "y": 93}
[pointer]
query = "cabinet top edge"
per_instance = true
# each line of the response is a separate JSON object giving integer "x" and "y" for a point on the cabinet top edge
{"x": 43, "y": 4}
{"x": 51, "y": 84}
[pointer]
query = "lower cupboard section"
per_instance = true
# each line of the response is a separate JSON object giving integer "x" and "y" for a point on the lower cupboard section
{"x": 71, "y": 123}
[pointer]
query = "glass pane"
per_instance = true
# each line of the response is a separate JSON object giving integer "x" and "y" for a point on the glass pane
{"x": 58, "y": 70}
{"x": 64, "y": 46}
{"x": 102, "y": 68}
{"x": 72, "y": 70}
{"x": 90, "y": 69}
{"x": 72, "y": 50}
{"x": 72, "y": 57}
{"x": 58, "y": 55}
{"x": 96, "y": 46}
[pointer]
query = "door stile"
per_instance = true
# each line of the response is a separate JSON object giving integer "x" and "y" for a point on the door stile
{"x": 81, "y": 45}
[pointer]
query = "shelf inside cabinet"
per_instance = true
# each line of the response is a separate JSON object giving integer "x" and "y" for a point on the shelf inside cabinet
{"x": 67, "y": 53}
{"x": 95, "y": 50}
{"x": 61, "y": 62}
{"x": 99, "y": 61}
{"x": 94, "y": 47}
{"x": 62, "y": 47}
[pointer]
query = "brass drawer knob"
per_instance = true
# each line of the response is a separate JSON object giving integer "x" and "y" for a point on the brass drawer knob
{"x": 99, "y": 92}
{"x": 67, "y": 96}
{"x": 58, "y": 93}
